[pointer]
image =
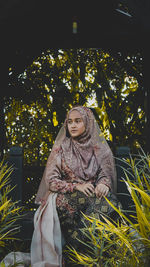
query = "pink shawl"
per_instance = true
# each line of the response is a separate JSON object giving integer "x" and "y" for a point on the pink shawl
{"x": 46, "y": 247}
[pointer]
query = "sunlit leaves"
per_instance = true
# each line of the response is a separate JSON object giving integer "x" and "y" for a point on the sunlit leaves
{"x": 60, "y": 78}
{"x": 28, "y": 130}
{"x": 9, "y": 211}
{"x": 55, "y": 122}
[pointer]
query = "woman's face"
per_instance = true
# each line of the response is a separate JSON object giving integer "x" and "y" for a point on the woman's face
{"x": 75, "y": 124}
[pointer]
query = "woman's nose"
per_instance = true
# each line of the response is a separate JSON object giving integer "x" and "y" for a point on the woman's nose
{"x": 73, "y": 124}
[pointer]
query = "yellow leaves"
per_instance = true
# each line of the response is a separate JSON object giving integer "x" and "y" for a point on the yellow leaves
{"x": 80, "y": 258}
{"x": 111, "y": 228}
{"x": 127, "y": 240}
{"x": 142, "y": 204}
{"x": 110, "y": 137}
{"x": 77, "y": 97}
{"x": 60, "y": 59}
{"x": 4, "y": 205}
{"x": 70, "y": 106}
{"x": 37, "y": 63}
{"x": 106, "y": 55}
{"x": 47, "y": 89}
{"x": 5, "y": 172}
{"x": 120, "y": 232}
{"x": 146, "y": 181}
{"x": 112, "y": 233}
{"x": 8, "y": 210}
{"x": 55, "y": 122}
{"x": 148, "y": 160}
{"x": 143, "y": 216}
{"x": 58, "y": 62}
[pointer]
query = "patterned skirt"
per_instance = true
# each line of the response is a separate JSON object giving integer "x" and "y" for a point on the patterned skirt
{"x": 70, "y": 208}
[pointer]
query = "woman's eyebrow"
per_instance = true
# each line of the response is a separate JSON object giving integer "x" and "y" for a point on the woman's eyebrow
{"x": 75, "y": 119}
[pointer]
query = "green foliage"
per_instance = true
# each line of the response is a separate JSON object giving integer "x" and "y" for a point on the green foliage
{"x": 127, "y": 241}
{"x": 9, "y": 211}
{"x": 110, "y": 82}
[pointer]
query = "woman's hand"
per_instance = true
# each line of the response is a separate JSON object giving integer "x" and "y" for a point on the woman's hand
{"x": 86, "y": 188}
{"x": 101, "y": 190}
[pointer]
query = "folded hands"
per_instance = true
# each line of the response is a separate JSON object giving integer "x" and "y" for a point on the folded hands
{"x": 88, "y": 189}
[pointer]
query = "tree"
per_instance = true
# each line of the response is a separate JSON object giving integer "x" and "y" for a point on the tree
{"x": 108, "y": 81}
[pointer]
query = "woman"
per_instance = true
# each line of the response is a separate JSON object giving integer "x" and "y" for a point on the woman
{"x": 79, "y": 172}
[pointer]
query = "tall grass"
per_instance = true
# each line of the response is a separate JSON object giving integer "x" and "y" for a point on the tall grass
{"x": 10, "y": 212}
{"x": 126, "y": 242}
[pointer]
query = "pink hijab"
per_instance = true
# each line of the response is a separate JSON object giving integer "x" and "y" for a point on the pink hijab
{"x": 84, "y": 155}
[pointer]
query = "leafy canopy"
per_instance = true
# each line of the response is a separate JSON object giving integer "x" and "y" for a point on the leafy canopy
{"x": 108, "y": 81}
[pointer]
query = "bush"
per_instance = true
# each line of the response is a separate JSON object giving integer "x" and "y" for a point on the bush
{"x": 127, "y": 241}
{"x": 10, "y": 212}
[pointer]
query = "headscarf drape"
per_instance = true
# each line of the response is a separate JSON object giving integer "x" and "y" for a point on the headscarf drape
{"x": 84, "y": 155}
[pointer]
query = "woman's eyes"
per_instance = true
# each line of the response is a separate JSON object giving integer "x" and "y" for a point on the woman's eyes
{"x": 77, "y": 121}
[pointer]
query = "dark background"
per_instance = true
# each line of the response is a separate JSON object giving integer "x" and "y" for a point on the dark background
{"x": 28, "y": 27}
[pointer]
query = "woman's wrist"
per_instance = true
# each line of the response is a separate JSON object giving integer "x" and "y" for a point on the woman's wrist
{"x": 75, "y": 186}
{"x": 101, "y": 182}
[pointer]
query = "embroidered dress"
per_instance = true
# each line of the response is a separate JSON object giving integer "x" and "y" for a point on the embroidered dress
{"x": 70, "y": 203}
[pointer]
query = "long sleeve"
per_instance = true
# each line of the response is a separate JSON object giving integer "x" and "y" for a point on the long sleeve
{"x": 57, "y": 185}
{"x": 55, "y": 180}
{"x": 104, "y": 180}
{"x": 104, "y": 175}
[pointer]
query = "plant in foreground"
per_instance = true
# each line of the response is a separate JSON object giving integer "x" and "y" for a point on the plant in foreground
{"x": 9, "y": 211}
{"x": 125, "y": 242}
